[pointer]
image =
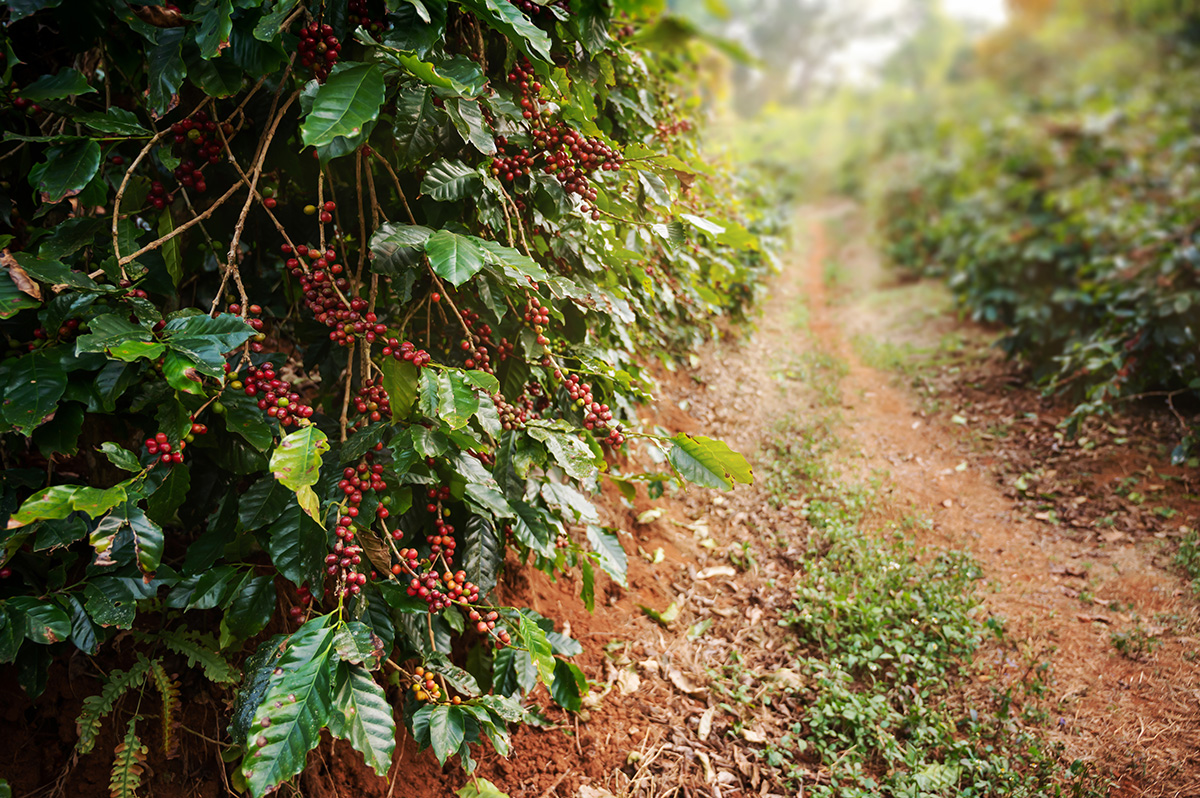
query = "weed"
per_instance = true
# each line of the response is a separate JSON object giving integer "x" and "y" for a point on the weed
{"x": 1188, "y": 558}
{"x": 1136, "y": 643}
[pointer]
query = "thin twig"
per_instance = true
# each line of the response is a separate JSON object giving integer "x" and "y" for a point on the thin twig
{"x": 179, "y": 230}
{"x": 396, "y": 179}
{"x": 362, "y": 217}
{"x": 446, "y": 296}
{"x": 264, "y": 145}
{"x": 344, "y": 420}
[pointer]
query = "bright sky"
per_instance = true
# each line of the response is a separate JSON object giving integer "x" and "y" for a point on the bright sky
{"x": 859, "y": 57}
{"x": 991, "y": 11}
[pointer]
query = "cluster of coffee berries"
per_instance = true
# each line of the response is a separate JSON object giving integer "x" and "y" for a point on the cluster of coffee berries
{"x": 161, "y": 446}
{"x": 68, "y": 330}
{"x": 359, "y": 13}
{"x": 523, "y": 78}
{"x": 536, "y": 317}
{"x": 254, "y": 311}
{"x": 406, "y": 350}
{"x": 372, "y": 403}
{"x": 533, "y": 9}
{"x": 198, "y": 133}
{"x": 30, "y": 108}
{"x": 425, "y": 686}
{"x": 274, "y": 395}
{"x": 486, "y": 624}
{"x": 320, "y": 287}
{"x": 510, "y": 166}
{"x": 305, "y": 595}
{"x": 326, "y": 212}
{"x": 318, "y": 49}
{"x": 668, "y": 130}
{"x": 596, "y": 416}
{"x": 346, "y": 554}
{"x": 514, "y": 415}
{"x": 474, "y": 347}
{"x": 158, "y": 195}
{"x": 342, "y": 560}
{"x": 441, "y": 540}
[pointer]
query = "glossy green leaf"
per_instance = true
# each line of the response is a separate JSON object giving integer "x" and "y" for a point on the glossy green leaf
{"x": 120, "y": 457}
{"x": 451, "y": 181}
{"x": 363, "y": 717}
{"x": 512, "y": 22}
{"x": 347, "y": 101}
{"x": 45, "y": 622}
{"x": 297, "y": 704}
{"x": 35, "y": 384}
{"x": 447, "y": 725}
{"x": 263, "y": 503}
{"x": 709, "y": 463}
{"x": 66, "y": 83}
{"x": 607, "y": 546}
{"x": 296, "y": 461}
{"x": 569, "y": 687}
{"x": 453, "y": 257}
{"x": 297, "y": 545}
{"x": 401, "y": 381}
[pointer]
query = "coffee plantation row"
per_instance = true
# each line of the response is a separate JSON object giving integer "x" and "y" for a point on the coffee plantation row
{"x": 319, "y": 317}
{"x": 1065, "y": 210}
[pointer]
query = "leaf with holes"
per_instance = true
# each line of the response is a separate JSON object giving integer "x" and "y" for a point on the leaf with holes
{"x": 297, "y": 704}
{"x": 296, "y": 462}
{"x": 35, "y": 384}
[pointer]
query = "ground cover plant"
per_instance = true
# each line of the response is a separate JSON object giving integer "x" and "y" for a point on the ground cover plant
{"x": 318, "y": 316}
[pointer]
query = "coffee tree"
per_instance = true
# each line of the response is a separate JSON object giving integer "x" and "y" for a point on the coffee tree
{"x": 319, "y": 317}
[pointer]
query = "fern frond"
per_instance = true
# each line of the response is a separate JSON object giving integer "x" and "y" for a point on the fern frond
{"x": 96, "y": 707}
{"x": 168, "y": 688}
{"x": 199, "y": 649}
{"x": 128, "y": 764}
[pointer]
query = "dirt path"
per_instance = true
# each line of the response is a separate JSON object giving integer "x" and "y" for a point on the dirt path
{"x": 1138, "y": 719}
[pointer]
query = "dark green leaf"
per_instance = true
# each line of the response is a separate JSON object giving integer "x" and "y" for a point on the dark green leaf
{"x": 83, "y": 633}
{"x": 451, "y": 181}
{"x": 453, "y": 257}
{"x": 216, "y": 23}
{"x": 363, "y": 717}
{"x": 569, "y": 686}
{"x": 251, "y": 608}
{"x": 167, "y": 69}
{"x": 259, "y": 668}
{"x": 420, "y": 125}
{"x": 66, "y": 83}
{"x": 35, "y": 384}
{"x": 296, "y": 706}
{"x": 347, "y": 101}
{"x": 297, "y": 545}
{"x": 468, "y": 121}
{"x": 45, "y": 622}
{"x": 263, "y": 503}
{"x": 167, "y": 498}
{"x": 512, "y": 22}
{"x": 121, "y": 458}
{"x": 67, "y": 169}
{"x": 446, "y": 729}
{"x": 483, "y": 553}
{"x": 398, "y": 247}
{"x": 612, "y": 557}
